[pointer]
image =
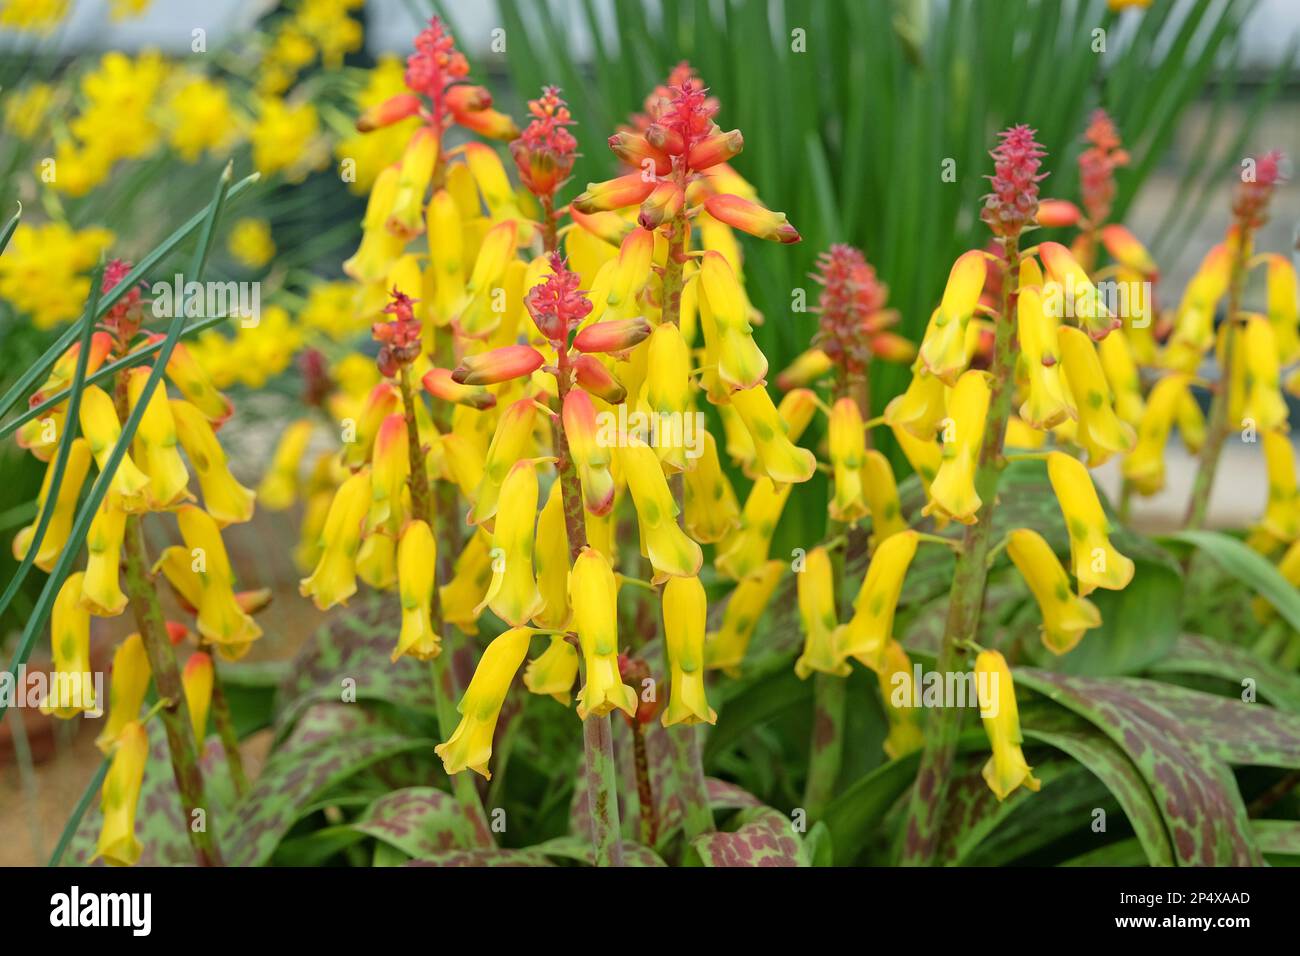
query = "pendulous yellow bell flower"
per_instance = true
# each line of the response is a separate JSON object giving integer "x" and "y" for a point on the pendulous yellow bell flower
{"x": 390, "y": 468}
{"x": 156, "y": 444}
{"x": 593, "y": 595}
{"x": 711, "y": 508}
{"x": 554, "y": 671}
{"x": 1095, "y": 563}
{"x": 905, "y": 735}
{"x": 128, "y": 683}
{"x": 1006, "y": 769}
{"x": 1264, "y": 405}
{"x": 418, "y": 161}
{"x": 1283, "y": 311}
{"x": 685, "y": 610}
{"x": 743, "y": 551}
{"x": 417, "y": 562}
{"x": 920, "y": 409}
{"x": 117, "y": 844}
{"x": 470, "y": 745}
{"x": 1282, "y": 514}
{"x": 1193, "y": 332}
{"x": 102, "y": 429}
{"x": 513, "y": 594}
{"x": 952, "y": 493}
{"x": 224, "y": 498}
{"x": 1101, "y": 433}
{"x": 778, "y": 457}
{"x": 1144, "y": 467}
{"x": 65, "y": 509}
{"x": 196, "y": 680}
{"x": 472, "y": 574}
{"x": 279, "y": 487}
{"x": 1071, "y": 293}
{"x": 1046, "y": 404}
{"x": 221, "y": 620}
{"x": 551, "y": 556}
{"x": 848, "y": 451}
{"x": 101, "y": 592}
{"x": 668, "y": 392}
{"x": 724, "y": 317}
{"x": 882, "y": 495}
{"x": 822, "y": 635}
{"x": 188, "y": 375}
{"x": 379, "y": 247}
{"x": 943, "y": 347}
{"x": 590, "y": 456}
{"x": 871, "y": 628}
{"x": 671, "y": 551}
{"x": 512, "y": 441}
{"x": 72, "y": 688}
{"x": 334, "y": 579}
{"x": 1120, "y": 367}
{"x": 1066, "y": 617}
{"x": 725, "y": 648}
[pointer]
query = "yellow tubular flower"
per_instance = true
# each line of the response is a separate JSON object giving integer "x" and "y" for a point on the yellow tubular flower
{"x": 724, "y": 319}
{"x": 446, "y": 256}
{"x": 1120, "y": 367}
{"x": 1006, "y": 769}
{"x": 593, "y": 595}
{"x": 848, "y": 450}
{"x": 1194, "y": 323}
{"x": 101, "y": 593}
{"x": 72, "y": 688}
{"x": 712, "y": 510}
{"x": 590, "y": 456}
{"x": 379, "y": 247}
{"x": 905, "y": 734}
{"x": 671, "y": 551}
{"x": 1066, "y": 617}
{"x": 388, "y": 474}
{"x": 1283, "y": 312}
{"x": 1282, "y": 515}
{"x": 943, "y": 347}
{"x": 129, "y": 681}
{"x": 221, "y": 620}
{"x": 477, "y": 318}
{"x": 1072, "y": 293}
{"x": 920, "y": 409}
{"x": 1046, "y": 404}
{"x": 335, "y": 578}
{"x": 383, "y": 400}
{"x": 552, "y": 557}
{"x": 952, "y": 493}
{"x": 472, "y": 574}
{"x": 797, "y": 409}
{"x": 685, "y": 611}
{"x": 806, "y": 368}
{"x": 197, "y": 680}
{"x": 224, "y": 498}
{"x": 279, "y": 487}
{"x": 882, "y": 495}
{"x": 668, "y": 392}
{"x": 872, "y": 626}
{"x": 156, "y": 443}
{"x": 102, "y": 429}
{"x": 513, "y": 594}
{"x": 1096, "y": 564}
{"x": 511, "y": 441}
{"x": 1191, "y": 423}
{"x": 778, "y": 457}
{"x": 470, "y": 745}
{"x": 1264, "y": 405}
{"x": 924, "y": 455}
{"x": 65, "y": 509}
{"x": 1101, "y": 433}
{"x": 554, "y": 672}
{"x": 188, "y": 376}
{"x": 822, "y": 635}
{"x": 743, "y": 552}
{"x": 404, "y": 217}
{"x": 417, "y": 562}
{"x": 725, "y": 648}
{"x": 119, "y": 796}
{"x": 1144, "y": 467}
{"x": 377, "y": 559}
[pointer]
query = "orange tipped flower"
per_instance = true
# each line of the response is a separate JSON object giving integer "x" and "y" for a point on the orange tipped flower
{"x": 1096, "y": 564}
{"x": 617, "y": 335}
{"x": 953, "y": 492}
{"x": 750, "y": 217}
{"x": 335, "y": 578}
{"x": 629, "y": 190}
{"x": 1066, "y": 617}
{"x": 117, "y": 844}
{"x": 872, "y": 626}
{"x": 197, "y": 680}
{"x": 439, "y": 383}
{"x": 725, "y": 648}
{"x": 663, "y": 204}
{"x": 224, "y": 498}
{"x": 718, "y": 148}
{"x": 470, "y": 745}
{"x": 593, "y": 594}
{"x": 685, "y": 610}
{"x": 589, "y": 373}
{"x": 390, "y": 111}
{"x": 1125, "y": 249}
{"x": 822, "y": 635}
{"x": 1057, "y": 213}
{"x": 671, "y": 552}
{"x": 590, "y": 457}
{"x": 417, "y": 560}
{"x": 498, "y": 365}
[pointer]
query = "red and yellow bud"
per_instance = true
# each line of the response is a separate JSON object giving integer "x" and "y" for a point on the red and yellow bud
{"x": 1066, "y": 616}
{"x": 65, "y": 366}
{"x": 554, "y": 671}
{"x": 335, "y": 578}
{"x": 390, "y": 111}
{"x": 718, "y": 148}
{"x": 778, "y": 457}
{"x": 634, "y": 149}
{"x": 595, "y": 378}
{"x": 1100, "y": 433}
{"x": 72, "y": 683}
{"x": 1126, "y": 250}
{"x": 439, "y": 383}
{"x": 1006, "y": 769}
{"x": 1096, "y": 564}
{"x": 100, "y": 425}
{"x": 663, "y": 204}
{"x": 498, "y": 365}
{"x": 513, "y": 594}
{"x": 128, "y": 683}
{"x": 953, "y": 493}
{"x": 616, "y": 335}
{"x": 629, "y": 190}
{"x": 591, "y": 458}
{"x": 470, "y": 745}
{"x": 685, "y": 610}
{"x": 868, "y": 633}
{"x": 822, "y": 635}
{"x": 1057, "y": 213}
{"x": 224, "y": 498}
{"x": 101, "y": 593}
{"x": 725, "y": 648}
{"x": 65, "y": 509}
{"x": 197, "y": 680}
{"x": 117, "y": 844}
{"x": 593, "y": 595}
{"x": 671, "y": 552}
{"x": 417, "y": 562}
{"x": 750, "y": 217}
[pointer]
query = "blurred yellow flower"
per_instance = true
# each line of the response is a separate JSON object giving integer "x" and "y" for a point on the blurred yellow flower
{"x": 371, "y": 152}
{"x": 117, "y": 120}
{"x": 254, "y": 355}
{"x": 284, "y": 139}
{"x": 250, "y": 242}
{"x": 26, "y": 110}
{"x": 330, "y": 309}
{"x": 35, "y": 15}
{"x": 40, "y": 272}
{"x": 198, "y": 118}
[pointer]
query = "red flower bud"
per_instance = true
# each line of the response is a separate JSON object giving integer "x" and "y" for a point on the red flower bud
{"x": 613, "y": 336}
{"x": 498, "y": 365}
{"x": 390, "y": 111}
{"x": 598, "y": 380}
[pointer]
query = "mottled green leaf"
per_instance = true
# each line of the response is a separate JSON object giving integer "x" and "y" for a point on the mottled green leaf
{"x": 420, "y": 821}
{"x": 499, "y": 857}
{"x": 1197, "y": 654}
{"x": 1248, "y": 566}
{"x": 765, "y": 837}
{"x": 579, "y": 848}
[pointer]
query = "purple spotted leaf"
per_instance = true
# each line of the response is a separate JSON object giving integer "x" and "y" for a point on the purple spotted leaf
{"x": 498, "y": 857}
{"x": 765, "y": 837}
{"x": 419, "y": 821}
{"x": 1278, "y": 837}
{"x": 1200, "y": 655}
{"x": 579, "y": 848}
